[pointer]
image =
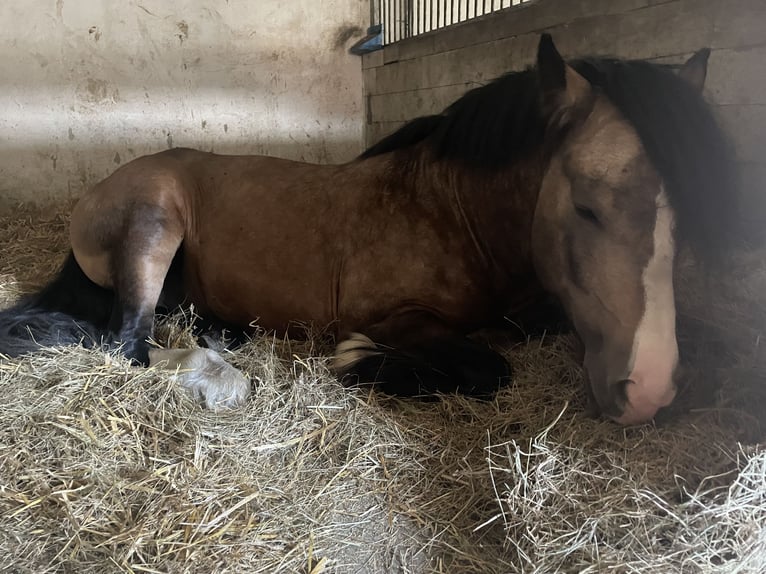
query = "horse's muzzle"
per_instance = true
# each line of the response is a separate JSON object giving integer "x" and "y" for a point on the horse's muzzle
{"x": 640, "y": 406}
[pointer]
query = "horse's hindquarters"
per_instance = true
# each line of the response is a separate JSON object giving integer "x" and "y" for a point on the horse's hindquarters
{"x": 125, "y": 234}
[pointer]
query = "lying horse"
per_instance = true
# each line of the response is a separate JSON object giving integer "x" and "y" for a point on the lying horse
{"x": 576, "y": 178}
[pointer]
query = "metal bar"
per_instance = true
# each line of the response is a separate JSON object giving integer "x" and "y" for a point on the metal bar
{"x": 384, "y": 20}
{"x": 397, "y": 21}
{"x": 430, "y": 14}
{"x": 393, "y": 20}
{"x": 403, "y": 19}
{"x": 417, "y": 11}
{"x": 409, "y": 18}
{"x": 421, "y": 17}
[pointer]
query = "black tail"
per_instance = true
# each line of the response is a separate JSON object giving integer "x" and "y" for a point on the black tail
{"x": 71, "y": 309}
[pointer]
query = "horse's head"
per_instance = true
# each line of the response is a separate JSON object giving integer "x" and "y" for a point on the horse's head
{"x": 604, "y": 237}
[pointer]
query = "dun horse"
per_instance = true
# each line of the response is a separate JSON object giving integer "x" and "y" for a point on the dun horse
{"x": 580, "y": 179}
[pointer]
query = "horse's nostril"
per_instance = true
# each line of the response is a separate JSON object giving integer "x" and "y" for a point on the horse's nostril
{"x": 614, "y": 400}
{"x": 641, "y": 402}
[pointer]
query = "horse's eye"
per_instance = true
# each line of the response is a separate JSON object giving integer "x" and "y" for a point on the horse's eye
{"x": 587, "y": 214}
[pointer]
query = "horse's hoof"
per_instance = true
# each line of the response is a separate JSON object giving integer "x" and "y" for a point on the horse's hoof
{"x": 137, "y": 352}
{"x": 206, "y": 375}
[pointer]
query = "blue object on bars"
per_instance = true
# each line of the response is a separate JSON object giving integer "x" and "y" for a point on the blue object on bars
{"x": 371, "y": 42}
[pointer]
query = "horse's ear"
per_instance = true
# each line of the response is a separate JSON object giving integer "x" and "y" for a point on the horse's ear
{"x": 561, "y": 87}
{"x": 694, "y": 71}
{"x": 551, "y": 68}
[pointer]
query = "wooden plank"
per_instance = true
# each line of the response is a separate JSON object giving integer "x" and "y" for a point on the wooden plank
{"x": 738, "y": 76}
{"x": 746, "y": 126}
{"x": 740, "y": 23}
{"x": 404, "y": 106}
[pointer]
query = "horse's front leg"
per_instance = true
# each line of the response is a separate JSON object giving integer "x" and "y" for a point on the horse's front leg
{"x": 416, "y": 353}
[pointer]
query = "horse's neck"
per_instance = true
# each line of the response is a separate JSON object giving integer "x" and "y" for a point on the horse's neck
{"x": 496, "y": 208}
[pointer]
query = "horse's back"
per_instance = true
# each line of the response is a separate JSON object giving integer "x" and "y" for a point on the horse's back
{"x": 258, "y": 234}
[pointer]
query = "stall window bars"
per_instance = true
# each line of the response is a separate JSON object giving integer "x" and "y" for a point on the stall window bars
{"x": 399, "y": 19}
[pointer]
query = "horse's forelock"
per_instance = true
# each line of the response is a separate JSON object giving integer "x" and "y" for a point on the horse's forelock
{"x": 684, "y": 142}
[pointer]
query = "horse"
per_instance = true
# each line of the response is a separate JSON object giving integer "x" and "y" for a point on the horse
{"x": 577, "y": 179}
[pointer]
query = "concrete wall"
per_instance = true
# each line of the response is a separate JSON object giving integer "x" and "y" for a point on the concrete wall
{"x": 424, "y": 74}
{"x": 86, "y": 85}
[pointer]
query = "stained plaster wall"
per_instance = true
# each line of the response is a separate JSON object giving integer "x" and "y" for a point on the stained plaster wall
{"x": 424, "y": 74}
{"x": 87, "y": 85}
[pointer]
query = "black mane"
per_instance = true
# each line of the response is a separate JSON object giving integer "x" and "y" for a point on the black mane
{"x": 487, "y": 126}
{"x": 493, "y": 125}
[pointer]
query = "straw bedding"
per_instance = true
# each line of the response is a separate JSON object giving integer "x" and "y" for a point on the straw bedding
{"x": 109, "y": 468}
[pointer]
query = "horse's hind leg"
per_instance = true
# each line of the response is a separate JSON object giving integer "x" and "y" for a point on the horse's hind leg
{"x": 140, "y": 265}
{"x": 417, "y": 354}
{"x": 132, "y": 257}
